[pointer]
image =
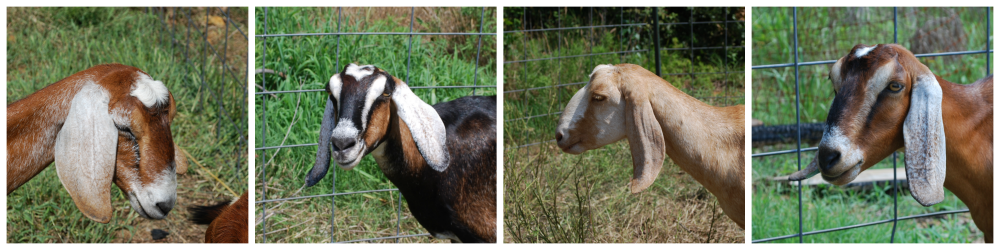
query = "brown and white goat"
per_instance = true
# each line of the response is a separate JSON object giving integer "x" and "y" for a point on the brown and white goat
{"x": 442, "y": 157}
{"x": 227, "y": 221}
{"x": 107, "y": 123}
{"x": 886, "y": 100}
{"x": 627, "y": 101}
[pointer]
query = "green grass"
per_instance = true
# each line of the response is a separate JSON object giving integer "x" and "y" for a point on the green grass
{"x": 308, "y": 63}
{"x": 827, "y": 34}
{"x": 45, "y": 45}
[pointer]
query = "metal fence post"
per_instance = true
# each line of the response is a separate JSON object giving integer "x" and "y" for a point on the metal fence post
{"x": 798, "y": 121}
{"x": 895, "y": 208}
{"x": 656, "y": 38}
{"x": 263, "y": 112}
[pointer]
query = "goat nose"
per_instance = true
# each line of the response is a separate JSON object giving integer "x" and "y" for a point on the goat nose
{"x": 559, "y": 136}
{"x": 164, "y": 206}
{"x": 828, "y": 158}
{"x": 343, "y": 142}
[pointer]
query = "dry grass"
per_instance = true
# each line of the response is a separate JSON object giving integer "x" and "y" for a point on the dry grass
{"x": 556, "y": 197}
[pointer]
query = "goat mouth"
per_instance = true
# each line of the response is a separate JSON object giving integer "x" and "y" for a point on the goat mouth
{"x": 138, "y": 207}
{"x": 573, "y": 148}
{"x": 844, "y": 177}
{"x": 349, "y": 158}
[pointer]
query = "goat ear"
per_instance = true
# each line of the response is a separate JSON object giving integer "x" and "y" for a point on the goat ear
{"x": 425, "y": 126}
{"x": 85, "y": 152}
{"x": 322, "y": 164}
{"x": 645, "y": 138}
{"x": 923, "y": 135}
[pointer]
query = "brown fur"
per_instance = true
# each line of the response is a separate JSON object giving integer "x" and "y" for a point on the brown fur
{"x": 227, "y": 222}
{"x": 967, "y": 111}
{"x": 33, "y": 122}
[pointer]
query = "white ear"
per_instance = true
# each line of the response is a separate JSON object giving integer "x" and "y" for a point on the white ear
{"x": 85, "y": 152}
{"x": 425, "y": 125}
{"x": 923, "y": 134}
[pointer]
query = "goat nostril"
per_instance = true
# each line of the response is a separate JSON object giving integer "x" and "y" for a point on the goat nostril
{"x": 559, "y": 136}
{"x": 828, "y": 158}
{"x": 343, "y": 143}
{"x": 164, "y": 206}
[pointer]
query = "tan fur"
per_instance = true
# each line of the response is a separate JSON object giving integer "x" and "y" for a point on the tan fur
{"x": 705, "y": 141}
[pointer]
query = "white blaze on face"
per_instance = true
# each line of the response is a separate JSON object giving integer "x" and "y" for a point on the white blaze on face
{"x": 374, "y": 91}
{"x": 574, "y": 111}
{"x": 149, "y": 91}
{"x": 873, "y": 87}
{"x": 864, "y": 51}
{"x": 359, "y": 72}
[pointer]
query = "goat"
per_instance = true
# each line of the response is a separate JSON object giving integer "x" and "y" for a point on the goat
{"x": 442, "y": 158}
{"x": 628, "y": 101}
{"x": 107, "y": 123}
{"x": 886, "y": 100}
{"x": 227, "y": 221}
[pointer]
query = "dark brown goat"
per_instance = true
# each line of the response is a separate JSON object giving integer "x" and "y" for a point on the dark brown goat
{"x": 227, "y": 223}
{"x": 442, "y": 157}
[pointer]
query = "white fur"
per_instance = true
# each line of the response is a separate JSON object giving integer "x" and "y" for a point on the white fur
{"x": 149, "y": 91}
{"x": 425, "y": 125}
{"x": 163, "y": 189}
{"x": 600, "y": 67}
{"x": 335, "y": 85}
{"x": 374, "y": 91}
{"x": 864, "y": 51}
{"x": 835, "y": 139}
{"x": 448, "y": 235}
{"x": 85, "y": 152}
{"x": 359, "y": 72}
{"x": 348, "y": 158}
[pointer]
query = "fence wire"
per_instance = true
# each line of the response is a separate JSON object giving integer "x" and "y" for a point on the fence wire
{"x": 264, "y": 36}
{"x": 861, "y": 18}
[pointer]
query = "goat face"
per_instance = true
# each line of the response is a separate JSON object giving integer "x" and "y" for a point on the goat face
{"x": 595, "y": 116}
{"x": 885, "y": 100}
{"x": 146, "y": 153}
{"x": 145, "y": 168}
{"x": 362, "y": 102}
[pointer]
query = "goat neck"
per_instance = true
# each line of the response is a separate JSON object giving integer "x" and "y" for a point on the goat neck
{"x": 705, "y": 141}
{"x": 32, "y": 126}
{"x": 968, "y": 122}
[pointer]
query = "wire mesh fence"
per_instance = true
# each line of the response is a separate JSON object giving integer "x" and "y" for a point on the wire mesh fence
{"x": 938, "y": 36}
{"x": 332, "y": 43}
{"x": 213, "y": 45}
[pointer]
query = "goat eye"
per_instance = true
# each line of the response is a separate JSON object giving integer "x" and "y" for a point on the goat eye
{"x": 385, "y": 94}
{"x": 895, "y": 86}
{"x": 598, "y": 98}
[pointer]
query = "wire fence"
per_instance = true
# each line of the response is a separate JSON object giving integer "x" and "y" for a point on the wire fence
{"x": 633, "y": 46}
{"x": 915, "y": 41}
{"x": 213, "y": 46}
{"x": 264, "y": 35}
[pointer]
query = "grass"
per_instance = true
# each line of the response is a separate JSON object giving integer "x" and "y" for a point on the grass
{"x": 554, "y": 197}
{"x": 47, "y": 44}
{"x": 827, "y": 34}
{"x": 292, "y": 119}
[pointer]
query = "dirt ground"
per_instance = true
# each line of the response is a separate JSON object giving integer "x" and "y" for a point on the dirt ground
{"x": 176, "y": 223}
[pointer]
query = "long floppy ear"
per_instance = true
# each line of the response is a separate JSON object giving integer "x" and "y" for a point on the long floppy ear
{"x": 645, "y": 138}
{"x": 322, "y": 164}
{"x": 425, "y": 125}
{"x": 85, "y": 152}
{"x": 923, "y": 134}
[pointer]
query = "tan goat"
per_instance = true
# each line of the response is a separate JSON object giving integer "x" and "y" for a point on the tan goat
{"x": 627, "y": 100}
{"x": 886, "y": 100}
